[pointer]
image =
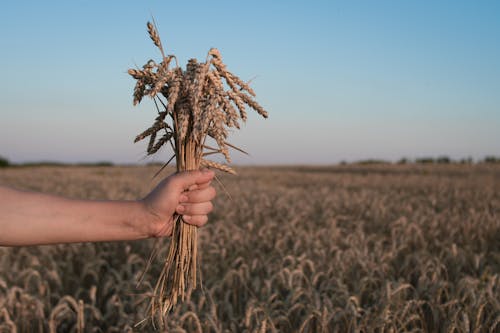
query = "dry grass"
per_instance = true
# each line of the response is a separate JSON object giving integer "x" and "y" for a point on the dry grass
{"x": 192, "y": 104}
{"x": 341, "y": 249}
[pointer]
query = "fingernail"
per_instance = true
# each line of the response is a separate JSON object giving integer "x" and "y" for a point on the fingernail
{"x": 186, "y": 218}
{"x": 180, "y": 208}
{"x": 183, "y": 198}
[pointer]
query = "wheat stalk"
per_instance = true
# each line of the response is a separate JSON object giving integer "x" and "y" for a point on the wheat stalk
{"x": 195, "y": 104}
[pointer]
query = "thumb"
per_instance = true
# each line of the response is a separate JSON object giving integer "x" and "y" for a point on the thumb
{"x": 185, "y": 179}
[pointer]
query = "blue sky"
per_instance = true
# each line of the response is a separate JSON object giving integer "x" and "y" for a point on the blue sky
{"x": 342, "y": 80}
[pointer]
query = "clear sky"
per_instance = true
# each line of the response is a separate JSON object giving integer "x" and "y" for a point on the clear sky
{"x": 342, "y": 80}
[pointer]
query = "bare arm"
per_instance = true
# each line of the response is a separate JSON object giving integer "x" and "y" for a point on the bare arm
{"x": 29, "y": 218}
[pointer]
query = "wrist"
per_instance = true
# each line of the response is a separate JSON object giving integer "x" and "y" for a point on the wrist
{"x": 139, "y": 220}
{"x": 148, "y": 223}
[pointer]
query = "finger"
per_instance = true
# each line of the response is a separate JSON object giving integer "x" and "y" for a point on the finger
{"x": 201, "y": 208}
{"x": 192, "y": 187}
{"x": 199, "y": 186}
{"x": 187, "y": 178}
{"x": 197, "y": 220}
{"x": 205, "y": 194}
{"x": 204, "y": 185}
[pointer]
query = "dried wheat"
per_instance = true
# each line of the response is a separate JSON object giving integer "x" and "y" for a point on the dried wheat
{"x": 199, "y": 106}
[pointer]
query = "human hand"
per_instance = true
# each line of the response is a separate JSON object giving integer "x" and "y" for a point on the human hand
{"x": 187, "y": 193}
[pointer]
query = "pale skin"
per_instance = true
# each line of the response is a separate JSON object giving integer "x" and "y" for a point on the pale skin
{"x": 30, "y": 218}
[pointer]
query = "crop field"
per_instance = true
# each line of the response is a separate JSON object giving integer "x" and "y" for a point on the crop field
{"x": 376, "y": 248}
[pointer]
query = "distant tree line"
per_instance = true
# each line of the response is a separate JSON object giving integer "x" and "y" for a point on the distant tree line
{"x": 447, "y": 160}
{"x": 437, "y": 160}
{"x": 492, "y": 159}
{"x": 4, "y": 162}
{"x": 429, "y": 160}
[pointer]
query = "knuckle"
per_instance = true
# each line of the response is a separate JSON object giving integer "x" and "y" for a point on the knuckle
{"x": 202, "y": 220}
{"x": 187, "y": 210}
{"x": 193, "y": 220}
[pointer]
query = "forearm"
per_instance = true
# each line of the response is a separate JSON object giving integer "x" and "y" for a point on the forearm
{"x": 28, "y": 218}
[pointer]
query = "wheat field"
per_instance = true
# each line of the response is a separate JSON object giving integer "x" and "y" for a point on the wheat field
{"x": 384, "y": 248}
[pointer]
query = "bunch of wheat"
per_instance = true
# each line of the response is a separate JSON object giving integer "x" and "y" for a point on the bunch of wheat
{"x": 203, "y": 100}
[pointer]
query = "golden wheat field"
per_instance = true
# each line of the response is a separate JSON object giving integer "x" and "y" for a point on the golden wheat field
{"x": 385, "y": 248}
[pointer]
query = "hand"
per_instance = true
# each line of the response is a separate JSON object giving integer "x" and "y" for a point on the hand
{"x": 187, "y": 193}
